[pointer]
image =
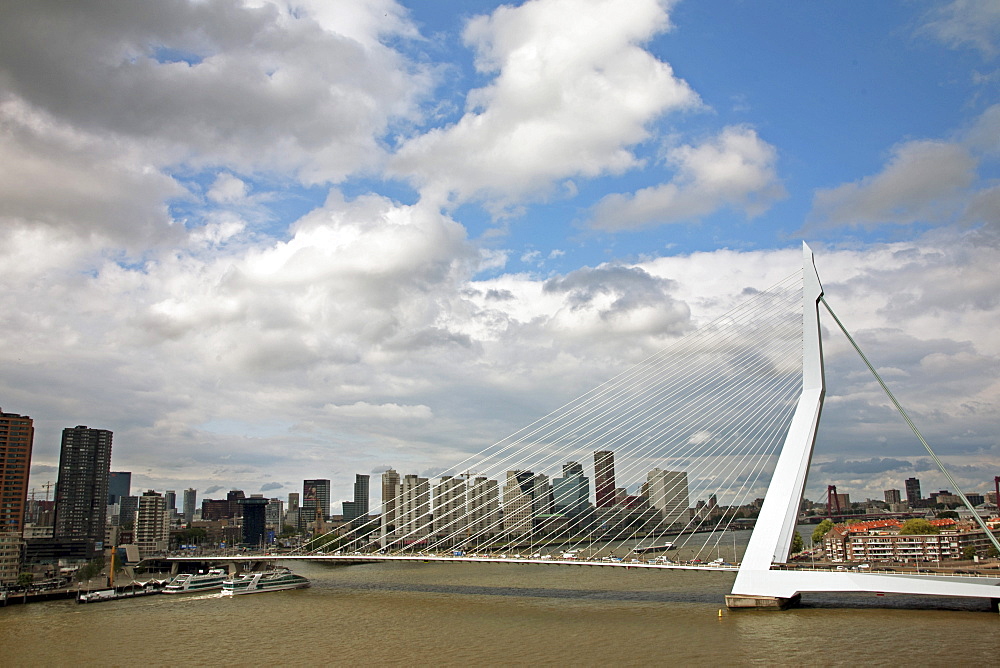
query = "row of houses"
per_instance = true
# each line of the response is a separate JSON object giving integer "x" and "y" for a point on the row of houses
{"x": 881, "y": 541}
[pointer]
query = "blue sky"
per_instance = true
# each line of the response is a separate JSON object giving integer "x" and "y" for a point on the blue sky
{"x": 290, "y": 235}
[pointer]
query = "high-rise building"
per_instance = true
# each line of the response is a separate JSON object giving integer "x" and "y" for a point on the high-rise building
{"x": 518, "y": 502}
{"x": 604, "y": 478}
{"x": 571, "y": 492}
{"x": 541, "y": 495}
{"x": 119, "y": 485}
{"x": 82, "y": 487}
{"x": 449, "y": 506}
{"x": 127, "y": 507}
{"x": 233, "y": 497}
{"x": 170, "y": 497}
{"x": 190, "y": 503}
{"x": 668, "y": 493}
{"x": 293, "y": 501}
{"x": 484, "y": 508}
{"x": 151, "y": 524}
{"x": 892, "y": 496}
{"x": 17, "y": 434}
{"x": 390, "y": 502}
{"x": 254, "y": 519}
{"x": 275, "y": 514}
{"x": 315, "y": 503}
{"x": 913, "y": 492}
{"x": 358, "y": 508}
{"x": 414, "y": 509}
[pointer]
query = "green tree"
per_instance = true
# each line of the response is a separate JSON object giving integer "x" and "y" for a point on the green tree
{"x": 918, "y": 527}
{"x": 947, "y": 515}
{"x": 968, "y": 552}
{"x": 821, "y": 530}
{"x": 797, "y": 543}
{"x": 25, "y": 579}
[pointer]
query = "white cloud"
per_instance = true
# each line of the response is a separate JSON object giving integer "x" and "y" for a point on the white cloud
{"x": 923, "y": 180}
{"x": 112, "y": 70}
{"x": 573, "y": 91}
{"x": 735, "y": 169}
{"x": 975, "y": 23}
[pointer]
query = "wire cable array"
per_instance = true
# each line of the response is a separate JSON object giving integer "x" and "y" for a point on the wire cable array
{"x": 686, "y": 440}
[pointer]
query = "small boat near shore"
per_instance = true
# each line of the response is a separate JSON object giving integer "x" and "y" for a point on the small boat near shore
{"x": 254, "y": 583}
{"x": 189, "y": 583}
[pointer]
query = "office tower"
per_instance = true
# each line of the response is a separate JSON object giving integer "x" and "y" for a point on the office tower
{"x": 484, "y": 508}
{"x": 119, "y": 485}
{"x": 254, "y": 519}
{"x": 275, "y": 515}
{"x": 170, "y": 497}
{"x": 151, "y": 524}
{"x": 571, "y": 492}
{"x": 518, "y": 501}
{"x": 541, "y": 495}
{"x": 358, "y": 508}
{"x": 17, "y": 434}
{"x": 293, "y": 501}
{"x": 604, "y": 478}
{"x": 390, "y": 502}
{"x": 233, "y": 497}
{"x": 913, "y": 492}
{"x": 127, "y": 508}
{"x": 414, "y": 515}
{"x": 190, "y": 503}
{"x": 82, "y": 487}
{"x": 449, "y": 505}
{"x": 315, "y": 503}
{"x": 892, "y": 496}
{"x": 668, "y": 493}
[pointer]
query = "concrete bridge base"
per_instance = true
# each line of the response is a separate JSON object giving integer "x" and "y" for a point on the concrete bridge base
{"x": 743, "y": 602}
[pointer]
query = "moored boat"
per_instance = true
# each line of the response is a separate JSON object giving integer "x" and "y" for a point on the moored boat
{"x": 186, "y": 583}
{"x": 272, "y": 580}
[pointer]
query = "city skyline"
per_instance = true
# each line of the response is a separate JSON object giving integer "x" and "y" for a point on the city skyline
{"x": 331, "y": 269}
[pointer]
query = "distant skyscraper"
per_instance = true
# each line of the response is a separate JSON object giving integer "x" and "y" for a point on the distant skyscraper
{"x": 571, "y": 493}
{"x": 518, "y": 499}
{"x": 233, "y": 497}
{"x": 390, "y": 502}
{"x": 170, "y": 497}
{"x": 151, "y": 524}
{"x": 127, "y": 507}
{"x": 604, "y": 478}
{"x": 358, "y": 508}
{"x": 484, "y": 508}
{"x": 119, "y": 485}
{"x": 414, "y": 514}
{"x": 190, "y": 503}
{"x": 293, "y": 501}
{"x": 315, "y": 503}
{"x": 17, "y": 434}
{"x": 254, "y": 519}
{"x": 82, "y": 488}
{"x": 449, "y": 505}
{"x": 668, "y": 493}
{"x": 913, "y": 491}
{"x": 275, "y": 514}
{"x": 892, "y": 496}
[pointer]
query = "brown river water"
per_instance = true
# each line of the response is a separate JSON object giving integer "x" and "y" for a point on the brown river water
{"x": 498, "y": 614}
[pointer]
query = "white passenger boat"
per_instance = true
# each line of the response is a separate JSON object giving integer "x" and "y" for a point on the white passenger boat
{"x": 187, "y": 583}
{"x": 272, "y": 580}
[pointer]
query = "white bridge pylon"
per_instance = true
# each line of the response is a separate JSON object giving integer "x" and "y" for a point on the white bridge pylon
{"x": 757, "y": 583}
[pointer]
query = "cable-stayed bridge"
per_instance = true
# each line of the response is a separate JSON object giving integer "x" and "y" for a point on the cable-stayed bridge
{"x": 679, "y": 448}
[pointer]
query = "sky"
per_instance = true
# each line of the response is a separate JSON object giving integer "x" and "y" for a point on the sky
{"x": 268, "y": 240}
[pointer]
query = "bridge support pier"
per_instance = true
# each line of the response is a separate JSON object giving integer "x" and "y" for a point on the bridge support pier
{"x": 745, "y": 601}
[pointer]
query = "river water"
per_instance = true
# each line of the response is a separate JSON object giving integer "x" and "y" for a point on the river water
{"x": 497, "y": 614}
